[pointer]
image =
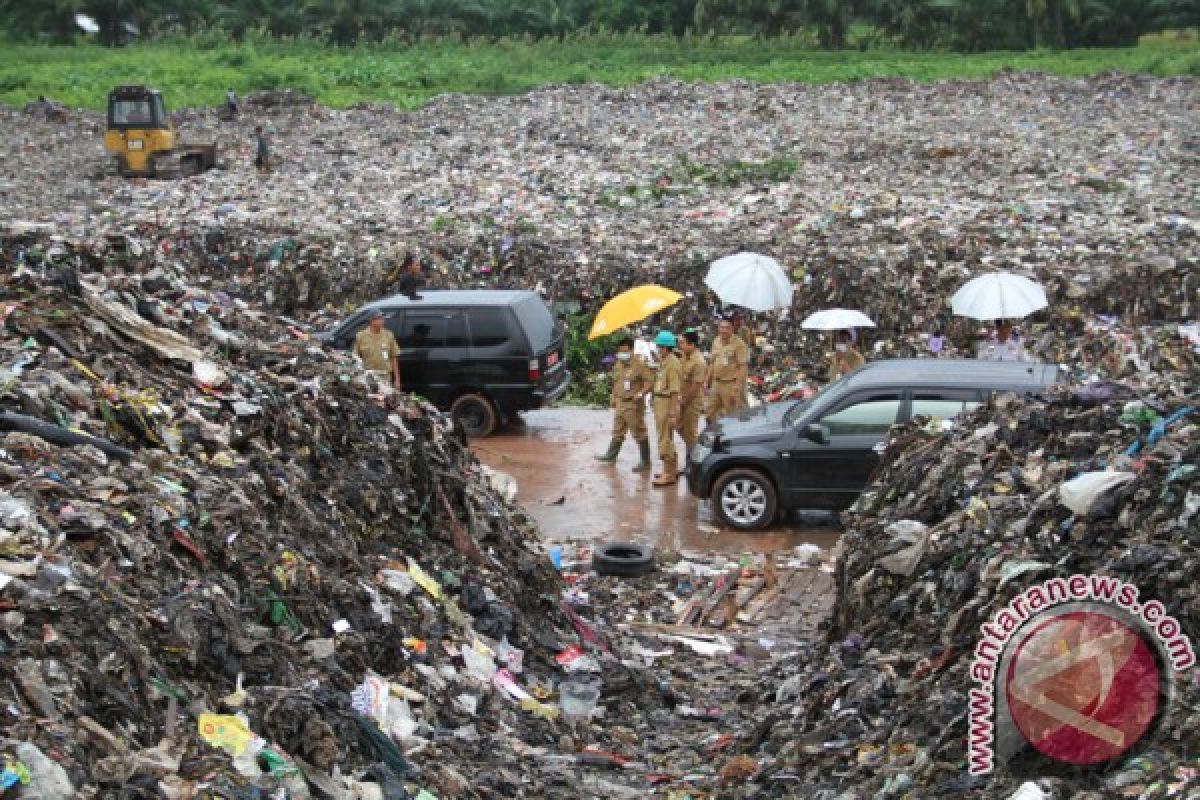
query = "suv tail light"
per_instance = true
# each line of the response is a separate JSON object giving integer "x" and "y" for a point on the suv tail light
{"x": 535, "y": 370}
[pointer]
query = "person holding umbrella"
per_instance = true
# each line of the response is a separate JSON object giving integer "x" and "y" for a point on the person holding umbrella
{"x": 668, "y": 392}
{"x": 845, "y": 358}
{"x": 1002, "y": 345}
{"x": 632, "y": 381}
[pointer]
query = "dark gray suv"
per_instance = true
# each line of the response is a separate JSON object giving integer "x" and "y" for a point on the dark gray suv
{"x": 481, "y": 354}
{"x": 820, "y": 453}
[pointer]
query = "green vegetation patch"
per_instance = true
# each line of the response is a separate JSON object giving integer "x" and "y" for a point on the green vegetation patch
{"x": 195, "y": 72}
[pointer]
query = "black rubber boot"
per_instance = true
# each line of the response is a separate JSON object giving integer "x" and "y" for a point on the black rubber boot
{"x": 643, "y": 465}
{"x": 614, "y": 449}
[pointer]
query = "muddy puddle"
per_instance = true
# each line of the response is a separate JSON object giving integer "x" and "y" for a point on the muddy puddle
{"x": 573, "y": 497}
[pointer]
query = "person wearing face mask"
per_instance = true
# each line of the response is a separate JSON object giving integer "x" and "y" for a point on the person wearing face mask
{"x": 845, "y": 358}
{"x": 632, "y": 381}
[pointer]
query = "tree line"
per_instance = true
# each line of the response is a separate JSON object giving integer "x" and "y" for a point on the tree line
{"x": 968, "y": 25}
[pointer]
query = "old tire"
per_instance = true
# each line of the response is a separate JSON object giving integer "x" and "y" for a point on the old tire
{"x": 476, "y": 414}
{"x": 745, "y": 499}
{"x": 623, "y": 559}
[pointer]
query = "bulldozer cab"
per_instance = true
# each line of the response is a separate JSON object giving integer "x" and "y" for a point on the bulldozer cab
{"x": 136, "y": 107}
{"x": 142, "y": 141}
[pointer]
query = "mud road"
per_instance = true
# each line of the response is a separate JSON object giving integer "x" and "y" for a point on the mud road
{"x": 573, "y": 497}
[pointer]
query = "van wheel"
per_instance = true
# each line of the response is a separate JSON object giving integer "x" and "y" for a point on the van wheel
{"x": 476, "y": 414}
{"x": 744, "y": 499}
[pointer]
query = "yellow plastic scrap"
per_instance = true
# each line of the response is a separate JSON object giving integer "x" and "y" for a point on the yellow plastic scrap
{"x": 542, "y": 710}
{"x": 423, "y": 580}
{"x": 227, "y": 732}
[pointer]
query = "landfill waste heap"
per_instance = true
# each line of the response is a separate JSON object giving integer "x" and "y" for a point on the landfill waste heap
{"x": 956, "y": 524}
{"x": 231, "y": 566}
{"x": 882, "y": 195}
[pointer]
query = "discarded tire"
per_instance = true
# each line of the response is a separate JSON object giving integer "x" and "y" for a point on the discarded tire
{"x": 623, "y": 559}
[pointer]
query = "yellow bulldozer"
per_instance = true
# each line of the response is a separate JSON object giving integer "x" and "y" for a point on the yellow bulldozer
{"x": 144, "y": 142}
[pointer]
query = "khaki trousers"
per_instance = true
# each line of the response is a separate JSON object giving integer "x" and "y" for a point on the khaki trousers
{"x": 666, "y": 435}
{"x": 630, "y": 416}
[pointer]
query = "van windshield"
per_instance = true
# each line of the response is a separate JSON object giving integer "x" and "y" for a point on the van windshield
{"x": 537, "y": 321}
{"x": 795, "y": 411}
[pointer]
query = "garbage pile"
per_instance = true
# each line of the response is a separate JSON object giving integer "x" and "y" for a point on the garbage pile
{"x": 232, "y": 566}
{"x": 1096, "y": 480}
{"x": 882, "y": 195}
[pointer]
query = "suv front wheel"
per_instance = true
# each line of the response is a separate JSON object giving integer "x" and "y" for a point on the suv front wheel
{"x": 476, "y": 414}
{"x": 744, "y": 499}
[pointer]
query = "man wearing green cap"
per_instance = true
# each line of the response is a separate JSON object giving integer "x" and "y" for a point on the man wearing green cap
{"x": 668, "y": 391}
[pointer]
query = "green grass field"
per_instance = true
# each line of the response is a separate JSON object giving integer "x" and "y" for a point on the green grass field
{"x": 197, "y": 72}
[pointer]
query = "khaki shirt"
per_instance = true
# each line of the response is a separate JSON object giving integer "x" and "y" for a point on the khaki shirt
{"x": 728, "y": 359}
{"x": 853, "y": 360}
{"x": 669, "y": 379}
{"x": 631, "y": 379}
{"x": 376, "y": 350}
{"x": 746, "y": 333}
{"x": 692, "y": 374}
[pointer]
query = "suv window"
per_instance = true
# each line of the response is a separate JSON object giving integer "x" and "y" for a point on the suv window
{"x": 943, "y": 405}
{"x": 868, "y": 415}
{"x": 489, "y": 327}
{"x": 537, "y": 321}
{"x": 422, "y": 331}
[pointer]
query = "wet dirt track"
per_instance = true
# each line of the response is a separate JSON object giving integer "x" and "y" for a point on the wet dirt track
{"x": 574, "y": 497}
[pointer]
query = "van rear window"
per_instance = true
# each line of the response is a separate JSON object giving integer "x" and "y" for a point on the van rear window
{"x": 537, "y": 321}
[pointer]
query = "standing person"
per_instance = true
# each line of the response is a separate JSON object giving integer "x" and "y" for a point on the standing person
{"x": 744, "y": 332}
{"x": 727, "y": 366}
{"x": 411, "y": 277}
{"x": 632, "y": 381}
{"x": 692, "y": 402}
{"x": 378, "y": 349}
{"x": 668, "y": 391}
{"x": 262, "y": 152}
{"x": 1002, "y": 345}
{"x": 845, "y": 358}
{"x": 231, "y": 102}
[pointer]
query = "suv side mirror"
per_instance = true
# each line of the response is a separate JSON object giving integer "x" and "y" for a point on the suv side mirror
{"x": 816, "y": 433}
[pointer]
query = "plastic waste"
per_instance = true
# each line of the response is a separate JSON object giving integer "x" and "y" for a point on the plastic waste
{"x": 578, "y": 700}
{"x": 1081, "y": 492}
{"x": 47, "y": 778}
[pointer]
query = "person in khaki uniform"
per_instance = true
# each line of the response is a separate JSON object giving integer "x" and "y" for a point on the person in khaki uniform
{"x": 378, "y": 349}
{"x": 632, "y": 381}
{"x": 727, "y": 367}
{"x": 668, "y": 393}
{"x": 692, "y": 403}
{"x": 845, "y": 358}
{"x": 746, "y": 333}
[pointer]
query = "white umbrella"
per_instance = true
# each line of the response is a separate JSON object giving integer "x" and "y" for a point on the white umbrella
{"x": 998, "y": 295}
{"x": 750, "y": 280}
{"x": 836, "y": 319}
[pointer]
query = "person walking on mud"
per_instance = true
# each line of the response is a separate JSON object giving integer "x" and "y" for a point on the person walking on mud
{"x": 727, "y": 368}
{"x": 632, "y": 381}
{"x": 377, "y": 348}
{"x": 668, "y": 394}
{"x": 262, "y": 151}
{"x": 692, "y": 402}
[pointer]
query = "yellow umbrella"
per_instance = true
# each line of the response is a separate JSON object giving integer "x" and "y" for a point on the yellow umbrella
{"x": 632, "y": 306}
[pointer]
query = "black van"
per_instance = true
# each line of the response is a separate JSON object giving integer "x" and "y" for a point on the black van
{"x": 482, "y": 354}
{"x": 820, "y": 453}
